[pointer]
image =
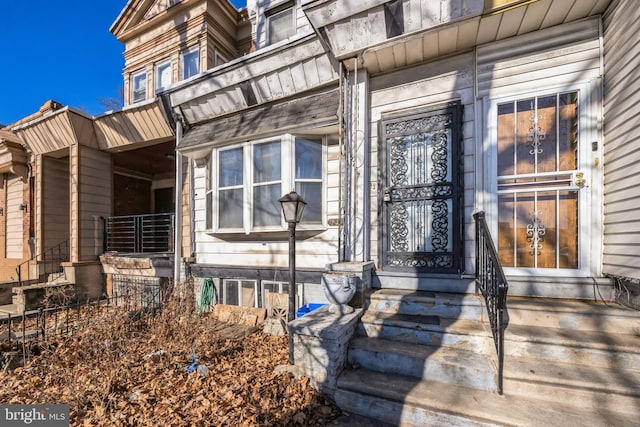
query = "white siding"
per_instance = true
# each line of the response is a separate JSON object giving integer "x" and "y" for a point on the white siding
{"x": 15, "y": 215}
{"x": 426, "y": 85}
{"x": 565, "y": 54}
{"x": 622, "y": 141}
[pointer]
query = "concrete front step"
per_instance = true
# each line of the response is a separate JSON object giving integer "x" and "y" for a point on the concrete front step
{"x": 585, "y": 386}
{"x": 428, "y": 330}
{"x": 444, "y": 364}
{"x": 407, "y": 401}
{"x": 588, "y": 348}
{"x": 573, "y": 314}
{"x": 443, "y": 305}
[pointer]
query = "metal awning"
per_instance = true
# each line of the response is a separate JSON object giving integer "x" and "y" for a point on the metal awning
{"x": 316, "y": 110}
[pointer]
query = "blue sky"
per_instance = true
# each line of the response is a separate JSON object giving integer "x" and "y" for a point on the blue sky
{"x": 61, "y": 51}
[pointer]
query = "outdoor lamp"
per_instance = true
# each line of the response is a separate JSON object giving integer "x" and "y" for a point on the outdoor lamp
{"x": 292, "y": 207}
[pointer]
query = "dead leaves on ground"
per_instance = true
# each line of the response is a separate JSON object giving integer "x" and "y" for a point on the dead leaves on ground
{"x": 124, "y": 372}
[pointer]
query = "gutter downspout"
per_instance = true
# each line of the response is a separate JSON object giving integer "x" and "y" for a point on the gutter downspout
{"x": 177, "y": 231}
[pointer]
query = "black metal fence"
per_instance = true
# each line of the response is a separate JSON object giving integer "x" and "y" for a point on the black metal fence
{"x": 16, "y": 330}
{"x": 150, "y": 233}
{"x": 492, "y": 284}
{"x": 39, "y": 267}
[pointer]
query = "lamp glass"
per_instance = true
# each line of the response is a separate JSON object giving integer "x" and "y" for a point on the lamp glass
{"x": 292, "y": 207}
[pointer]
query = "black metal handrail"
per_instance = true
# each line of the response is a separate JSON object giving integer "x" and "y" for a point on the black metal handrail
{"x": 46, "y": 263}
{"x": 492, "y": 284}
{"x": 147, "y": 233}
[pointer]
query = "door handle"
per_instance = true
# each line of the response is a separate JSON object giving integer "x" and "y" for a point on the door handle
{"x": 386, "y": 196}
{"x": 580, "y": 180}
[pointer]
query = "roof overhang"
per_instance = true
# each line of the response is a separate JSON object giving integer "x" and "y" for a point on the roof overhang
{"x": 292, "y": 68}
{"x": 317, "y": 110}
{"x": 13, "y": 156}
{"x": 357, "y": 34}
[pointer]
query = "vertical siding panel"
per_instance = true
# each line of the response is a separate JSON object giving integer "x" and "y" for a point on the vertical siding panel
{"x": 93, "y": 200}
{"x": 15, "y": 217}
{"x": 55, "y": 212}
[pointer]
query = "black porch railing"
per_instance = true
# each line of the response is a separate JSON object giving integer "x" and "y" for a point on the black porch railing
{"x": 492, "y": 283}
{"x": 40, "y": 266}
{"x": 139, "y": 233}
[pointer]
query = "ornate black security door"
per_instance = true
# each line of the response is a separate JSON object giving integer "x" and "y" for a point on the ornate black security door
{"x": 421, "y": 209}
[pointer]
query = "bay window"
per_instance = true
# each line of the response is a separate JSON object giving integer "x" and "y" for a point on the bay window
{"x": 243, "y": 193}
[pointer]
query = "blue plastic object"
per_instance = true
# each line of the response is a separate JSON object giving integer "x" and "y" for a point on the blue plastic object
{"x": 307, "y": 308}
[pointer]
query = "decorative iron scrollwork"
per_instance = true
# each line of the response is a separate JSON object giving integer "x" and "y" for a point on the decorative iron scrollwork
{"x": 420, "y": 260}
{"x": 440, "y": 226}
{"x": 398, "y": 218}
{"x": 419, "y": 193}
{"x": 424, "y": 124}
{"x": 439, "y": 156}
{"x": 536, "y": 134}
{"x": 535, "y": 234}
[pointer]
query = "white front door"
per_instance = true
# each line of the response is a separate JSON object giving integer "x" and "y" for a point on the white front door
{"x": 541, "y": 204}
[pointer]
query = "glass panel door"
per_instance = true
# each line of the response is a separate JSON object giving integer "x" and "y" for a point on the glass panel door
{"x": 539, "y": 182}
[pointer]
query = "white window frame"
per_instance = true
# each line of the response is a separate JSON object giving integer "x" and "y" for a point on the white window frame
{"x": 183, "y": 55}
{"x": 287, "y": 180}
{"x": 158, "y": 71}
{"x": 276, "y": 11}
{"x": 219, "y": 59}
{"x": 134, "y": 77}
{"x": 281, "y": 285}
{"x": 240, "y": 282}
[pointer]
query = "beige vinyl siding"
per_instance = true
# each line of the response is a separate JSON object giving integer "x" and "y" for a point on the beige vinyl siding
{"x": 566, "y": 53}
{"x": 313, "y": 250}
{"x": 621, "y": 254}
{"x": 418, "y": 87}
{"x": 15, "y": 217}
{"x": 91, "y": 201}
{"x": 55, "y": 217}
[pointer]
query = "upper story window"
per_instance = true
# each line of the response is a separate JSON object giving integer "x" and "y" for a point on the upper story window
{"x": 219, "y": 59}
{"x": 163, "y": 75}
{"x": 139, "y": 86}
{"x": 250, "y": 178}
{"x": 280, "y": 23}
{"x": 190, "y": 63}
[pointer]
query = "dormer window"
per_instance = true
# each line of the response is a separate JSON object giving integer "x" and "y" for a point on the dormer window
{"x": 190, "y": 63}
{"x": 163, "y": 75}
{"x": 139, "y": 86}
{"x": 280, "y": 23}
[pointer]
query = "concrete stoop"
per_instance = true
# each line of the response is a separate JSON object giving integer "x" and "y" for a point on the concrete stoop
{"x": 421, "y": 358}
{"x": 406, "y": 401}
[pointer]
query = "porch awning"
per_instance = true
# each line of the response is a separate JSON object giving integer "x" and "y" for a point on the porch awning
{"x": 317, "y": 110}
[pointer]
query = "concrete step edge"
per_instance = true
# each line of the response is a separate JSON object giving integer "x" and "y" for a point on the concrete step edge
{"x": 475, "y": 404}
{"x": 572, "y": 376}
{"x": 579, "y": 339}
{"x": 444, "y": 325}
